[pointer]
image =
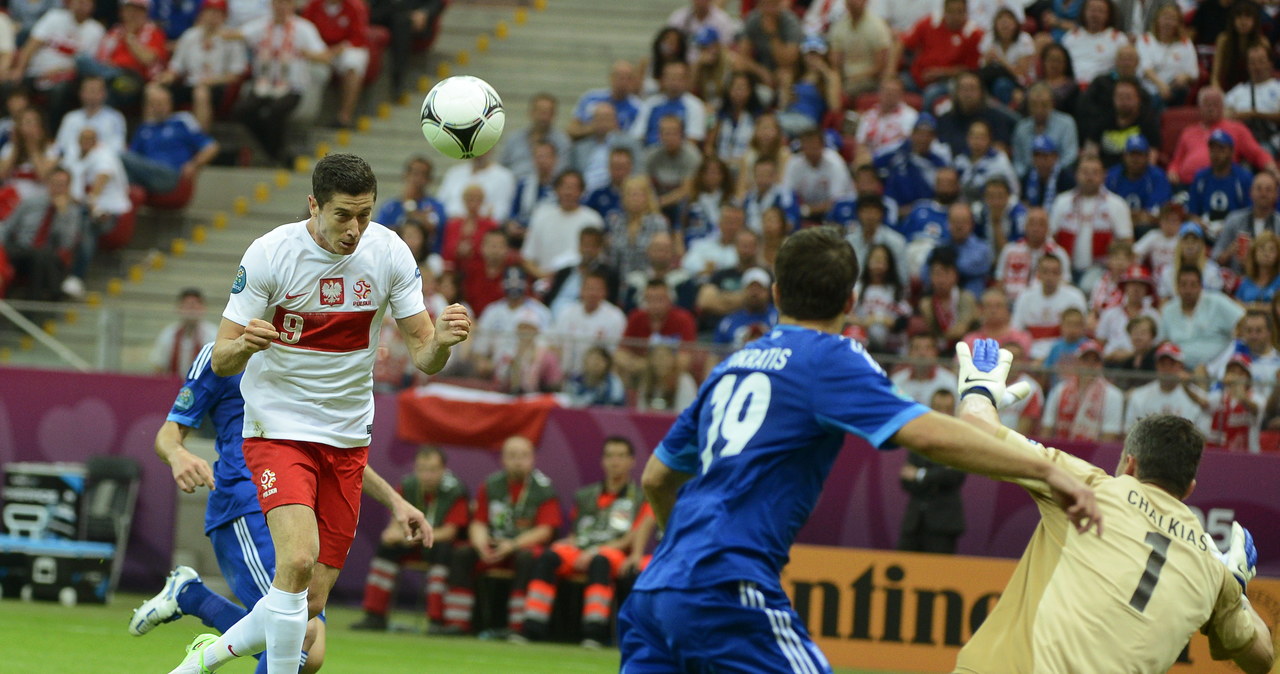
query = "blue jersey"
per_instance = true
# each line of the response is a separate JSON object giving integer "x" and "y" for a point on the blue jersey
{"x": 1147, "y": 193}
{"x": 908, "y": 177}
{"x": 173, "y": 141}
{"x": 927, "y": 220}
{"x": 760, "y": 439}
{"x": 204, "y": 393}
{"x": 394, "y": 213}
{"x": 844, "y": 212}
{"x": 605, "y": 200}
{"x": 1214, "y": 196}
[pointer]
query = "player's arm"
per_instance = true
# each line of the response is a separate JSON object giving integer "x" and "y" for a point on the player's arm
{"x": 413, "y": 524}
{"x": 1257, "y": 656}
{"x": 429, "y": 344}
{"x": 189, "y": 470}
{"x": 661, "y": 483}
{"x": 237, "y": 343}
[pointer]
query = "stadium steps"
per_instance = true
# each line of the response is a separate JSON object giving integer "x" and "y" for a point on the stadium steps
{"x": 564, "y": 49}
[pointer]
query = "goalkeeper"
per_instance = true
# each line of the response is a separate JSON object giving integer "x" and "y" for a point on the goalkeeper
{"x": 1126, "y": 601}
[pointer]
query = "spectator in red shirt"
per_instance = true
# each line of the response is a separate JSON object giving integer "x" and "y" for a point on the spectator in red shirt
{"x": 657, "y": 317}
{"x": 344, "y": 26}
{"x": 1192, "y": 153}
{"x": 482, "y": 274}
{"x": 129, "y": 55}
{"x": 464, "y": 234}
{"x": 944, "y": 46}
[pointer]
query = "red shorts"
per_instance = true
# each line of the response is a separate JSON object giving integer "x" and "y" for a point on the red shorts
{"x": 569, "y": 555}
{"x": 324, "y": 478}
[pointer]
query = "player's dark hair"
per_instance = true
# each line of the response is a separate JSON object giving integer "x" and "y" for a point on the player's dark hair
{"x": 631, "y": 449}
{"x": 342, "y": 174}
{"x": 816, "y": 269}
{"x": 1167, "y": 449}
{"x": 428, "y": 451}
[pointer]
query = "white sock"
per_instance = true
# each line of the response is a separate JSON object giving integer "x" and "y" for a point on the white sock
{"x": 286, "y": 627}
{"x": 246, "y": 637}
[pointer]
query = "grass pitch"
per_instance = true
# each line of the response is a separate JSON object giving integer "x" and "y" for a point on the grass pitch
{"x": 49, "y": 638}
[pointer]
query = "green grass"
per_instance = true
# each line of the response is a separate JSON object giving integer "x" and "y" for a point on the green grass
{"x": 47, "y": 637}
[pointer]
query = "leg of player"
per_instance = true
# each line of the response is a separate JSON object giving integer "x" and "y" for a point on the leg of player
{"x": 313, "y": 647}
{"x": 277, "y": 622}
{"x": 185, "y": 594}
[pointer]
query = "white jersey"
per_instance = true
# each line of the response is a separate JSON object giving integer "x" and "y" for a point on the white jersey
{"x": 315, "y": 383}
{"x": 1041, "y": 316}
{"x": 1150, "y": 399}
{"x": 61, "y": 40}
{"x": 576, "y": 331}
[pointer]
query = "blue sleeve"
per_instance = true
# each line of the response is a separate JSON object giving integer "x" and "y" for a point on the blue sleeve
{"x": 582, "y": 110}
{"x": 679, "y": 449}
{"x": 200, "y": 392}
{"x": 853, "y": 395}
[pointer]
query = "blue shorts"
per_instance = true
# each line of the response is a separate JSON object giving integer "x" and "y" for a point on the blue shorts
{"x": 732, "y": 627}
{"x": 246, "y": 556}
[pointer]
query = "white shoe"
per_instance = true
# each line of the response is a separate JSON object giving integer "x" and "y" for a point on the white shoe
{"x": 163, "y": 607}
{"x": 194, "y": 662}
{"x": 73, "y": 287}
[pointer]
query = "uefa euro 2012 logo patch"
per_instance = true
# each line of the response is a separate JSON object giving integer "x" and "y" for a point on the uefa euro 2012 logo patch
{"x": 241, "y": 277}
{"x": 185, "y": 399}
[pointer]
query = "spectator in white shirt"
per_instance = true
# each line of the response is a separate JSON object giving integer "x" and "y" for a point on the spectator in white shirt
{"x": 47, "y": 60}
{"x": 178, "y": 343}
{"x": 1039, "y": 308}
{"x": 1008, "y": 54}
{"x": 495, "y": 331}
{"x": 1019, "y": 260}
{"x": 1094, "y": 43}
{"x": 1113, "y": 323}
{"x": 553, "y": 228}
{"x": 95, "y": 113}
{"x": 719, "y": 251}
{"x": 1257, "y": 102}
{"x": 204, "y": 62}
{"x": 589, "y": 321}
{"x": 1085, "y": 220}
{"x": 817, "y": 176}
{"x": 699, "y": 14}
{"x": 1171, "y": 393}
{"x": 888, "y": 123}
{"x": 1167, "y": 59}
{"x": 498, "y": 182}
{"x": 1256, "y": 331}
{"x": 1084, "y": 405}
{"x": 1201, "y": 322}
{"x": 919, "y": 380}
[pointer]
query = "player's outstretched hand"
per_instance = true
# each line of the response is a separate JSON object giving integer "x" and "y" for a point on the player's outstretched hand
{"x": 1241, "y": 556}
{"x": 258, "y": 335}
{"x": 987, "y": 368}
{"x": 190, "y": 471}
{"x": 1076, "y": 498}
{"x": 453, "y": 325}
{"x": 413, "y": 523}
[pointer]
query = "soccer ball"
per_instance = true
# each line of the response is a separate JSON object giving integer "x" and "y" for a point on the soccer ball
{"x": 462, "y": 117}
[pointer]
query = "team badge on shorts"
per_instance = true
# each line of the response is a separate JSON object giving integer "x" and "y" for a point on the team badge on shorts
{"x": 241, "y": 278}
{"x": 268, "y": 483}
{"x": 332, "y": 293}
{"x": 185, "y": 399}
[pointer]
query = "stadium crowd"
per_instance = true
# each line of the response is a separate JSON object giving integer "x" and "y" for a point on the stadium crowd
{"x": 111, "y": 104}
{"x": 1093, "y": 184}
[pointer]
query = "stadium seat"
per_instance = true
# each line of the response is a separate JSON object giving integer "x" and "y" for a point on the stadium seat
{"x": 379, "y": 38}
{"x": 175, "y": 200}
{"x": 123, "y": 233}
{"x": 1172, "y": 122}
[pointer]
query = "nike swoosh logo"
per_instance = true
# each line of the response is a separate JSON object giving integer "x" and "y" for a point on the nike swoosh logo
{"x": 294, "y": 297}
{"x": 970, "y": 378}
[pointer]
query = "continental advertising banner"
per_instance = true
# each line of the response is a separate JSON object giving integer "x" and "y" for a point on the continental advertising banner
{"x": 905, "y": 611}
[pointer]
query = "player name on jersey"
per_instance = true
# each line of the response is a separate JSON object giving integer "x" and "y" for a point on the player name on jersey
{"x": 1174, "y": 527}
{"x": 760, "y": 359}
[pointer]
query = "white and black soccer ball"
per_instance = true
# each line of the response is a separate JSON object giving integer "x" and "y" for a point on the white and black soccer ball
{"x": 462, "y": 117}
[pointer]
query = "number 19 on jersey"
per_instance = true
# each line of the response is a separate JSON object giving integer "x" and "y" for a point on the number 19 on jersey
{"x": 738, "y": 408}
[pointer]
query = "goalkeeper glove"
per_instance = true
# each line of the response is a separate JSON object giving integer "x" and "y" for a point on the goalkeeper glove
{"x": 1241, "y": 557}
{"x": 984, "y": 370}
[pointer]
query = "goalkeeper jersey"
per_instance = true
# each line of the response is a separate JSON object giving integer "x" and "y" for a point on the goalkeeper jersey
{"x": 1125, "y": 601}
{"x": 760, "y": 439}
